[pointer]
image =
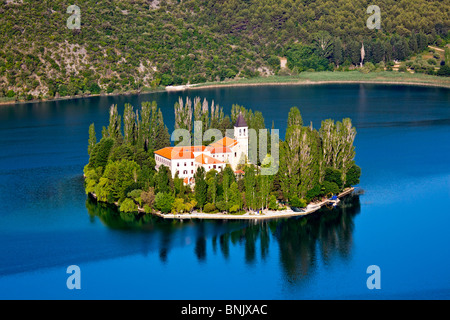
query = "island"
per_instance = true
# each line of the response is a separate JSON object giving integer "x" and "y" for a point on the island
{"x": 236, "y": 170}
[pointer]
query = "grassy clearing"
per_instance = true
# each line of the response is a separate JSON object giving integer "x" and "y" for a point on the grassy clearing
{"x": 332, "y": 77}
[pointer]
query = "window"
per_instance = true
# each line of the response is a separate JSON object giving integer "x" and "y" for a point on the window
{"x": 240, "y": 132}
{"x": 214, "y": 166}
{"x": 178, "y": 164}
{"x": 192, "y": 171}
{"x": 185, "y": 172}
{"x": 235, "y": 154}
{"x": 185, "y": 164}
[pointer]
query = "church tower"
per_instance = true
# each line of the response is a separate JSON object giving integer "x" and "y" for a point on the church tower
{"x": 241, "y": 136}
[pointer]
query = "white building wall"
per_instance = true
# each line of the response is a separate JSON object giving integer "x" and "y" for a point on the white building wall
{"x": 241, "y": 136}
{"x": 185, "y": 167}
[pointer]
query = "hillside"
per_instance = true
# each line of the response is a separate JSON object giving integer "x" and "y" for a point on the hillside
{"x": 131, "y": 45}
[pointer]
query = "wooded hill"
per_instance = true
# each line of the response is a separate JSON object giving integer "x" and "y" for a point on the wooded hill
{"x": 131, "y": 45}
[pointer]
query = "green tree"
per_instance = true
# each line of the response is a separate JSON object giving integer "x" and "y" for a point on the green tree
{"x": 212, "y": 189}
{"x": 148, "y": 197}
{"x": 235, "y": 196}
{"x": 444, "y": 71}
{"x": 338, "y": 52}
{"x": 200, "y": 188}
{"x": 128, "y": 205}
{"x": 353, "y": 174}
{"x": 100, "y": 153}
{"x": 163, "y": 180}
{"x": 294, "y": 118}
{"x": 273, "y": 203}
{"x": 209, "y": 207}
{"x": 297, "y": 202}
{"x": 92, "y": 139}
{"x": 323, "y": 43}
{"x": 129, "y": 124}
{"x": 178, "y": 205}
{"x": 115, "y": 123}
{"x": 330, "y": 188}
{"x": 164, "y": 202}
{"x": 250, "y": 186}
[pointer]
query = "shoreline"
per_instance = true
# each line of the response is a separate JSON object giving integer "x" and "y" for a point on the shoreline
{"x": 14, "y": 102}
{"x": 265, "y": 215}
{"x": 265, "y": 81}
{"x": 319, "y": 82}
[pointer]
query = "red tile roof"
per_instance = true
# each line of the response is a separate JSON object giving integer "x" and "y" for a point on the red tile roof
{"x": 179, "y": 152}
{"x": 204, "y": 159}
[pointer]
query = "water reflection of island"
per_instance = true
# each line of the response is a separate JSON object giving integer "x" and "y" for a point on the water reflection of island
{"x": 301, "y": 241}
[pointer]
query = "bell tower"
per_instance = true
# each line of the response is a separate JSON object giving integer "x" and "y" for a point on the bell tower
{"x": 241, "y": 136}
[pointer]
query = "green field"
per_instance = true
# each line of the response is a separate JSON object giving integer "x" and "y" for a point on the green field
{"x": 349, "y": 76}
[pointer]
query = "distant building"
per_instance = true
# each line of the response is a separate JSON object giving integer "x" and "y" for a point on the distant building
{"x": 186, "y": 160}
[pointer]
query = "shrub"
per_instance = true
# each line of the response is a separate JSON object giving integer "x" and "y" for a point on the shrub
{"x": 178, "y": 205}
{"x": 135, "y": 194}
{"x": 333, "y": 175}
{"x": 164, "y": 201}
{"x": 274, "y": 62}
{"x": 147, "y": 209}
{"x": 209, "y": 207}
{"x": 313, "y": 193}
{"x": 330, "y": 188}
{"x": 273, "y": 203}
{"x": 128, "y": 205}
{"x": 221, "y": 205}
{"x": 284, "y": 72}
{"x": 148, "y": 197}
{"x": 444, "y": 71}
{"x": 297, "y": 202}
{"x": 353, "y": 174}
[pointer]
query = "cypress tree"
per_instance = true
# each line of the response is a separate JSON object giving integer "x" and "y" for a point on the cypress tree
{"x": 250, "y": 186}
{"x": 200, "y": 188}
{"x": 115, "y": 122}
{"x": 338, "y": 56}
{"x": 92, "y": 139}
{"x": 294, "y": 118}
{"x": 129, "y": 123}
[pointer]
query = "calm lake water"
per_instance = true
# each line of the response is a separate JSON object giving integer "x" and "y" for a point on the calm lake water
{"x": 401, "y": 223}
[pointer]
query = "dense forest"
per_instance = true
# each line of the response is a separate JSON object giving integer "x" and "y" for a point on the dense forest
{"x": 312, "y": 164}
{"x": 131, "y": 45}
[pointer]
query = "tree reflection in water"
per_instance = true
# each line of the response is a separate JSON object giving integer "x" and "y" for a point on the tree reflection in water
{"x": 327, "y": 233}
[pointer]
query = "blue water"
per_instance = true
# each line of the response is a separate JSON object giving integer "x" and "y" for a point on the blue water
{"x": 400, "y": 223}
